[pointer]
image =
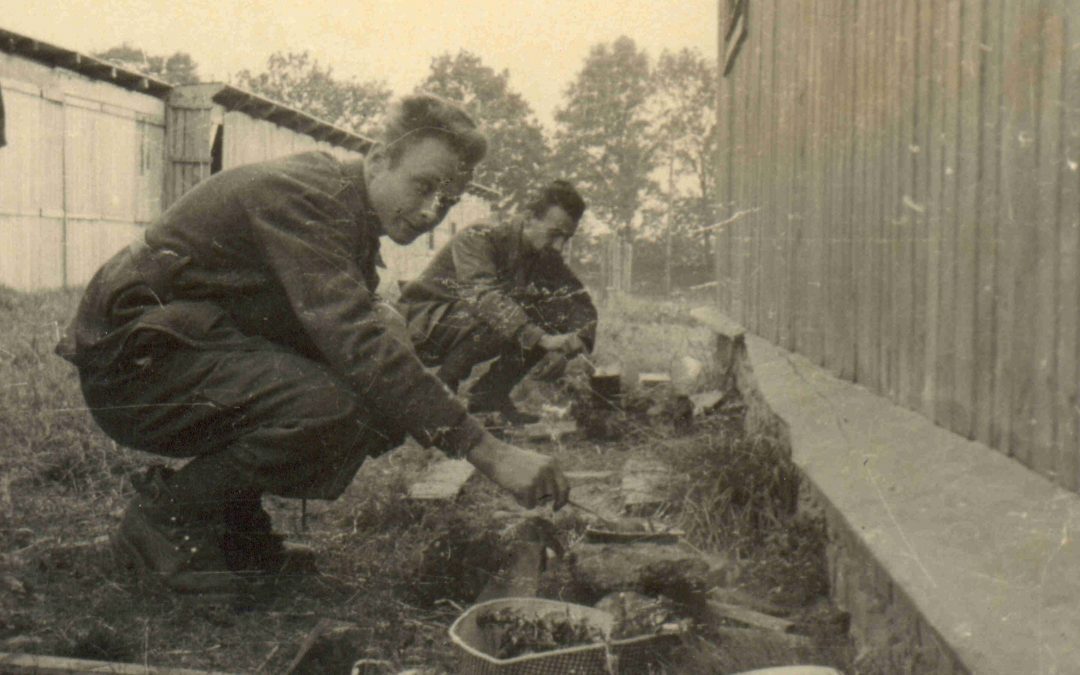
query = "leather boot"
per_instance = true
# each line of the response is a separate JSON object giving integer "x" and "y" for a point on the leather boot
{"x": 182, "y": 546}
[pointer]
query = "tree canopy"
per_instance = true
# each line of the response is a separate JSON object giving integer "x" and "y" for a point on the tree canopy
{"x": 517, "y": 150}
{"x": 178, "y": 68}
{"x": 299, "y": 80}
{"x": 602, "y": 137}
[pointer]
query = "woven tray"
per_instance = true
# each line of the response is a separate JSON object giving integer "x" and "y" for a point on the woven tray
{"x": 593, "y": 659}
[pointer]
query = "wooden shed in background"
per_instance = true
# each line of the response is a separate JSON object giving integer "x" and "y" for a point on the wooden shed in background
{"x": 216, "y": 126}
{"x": 83, "y": 165}
{"x": 95, "y": 152}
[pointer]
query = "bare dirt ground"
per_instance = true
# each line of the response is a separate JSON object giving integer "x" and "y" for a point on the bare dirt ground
{"x": 400, "y": 570}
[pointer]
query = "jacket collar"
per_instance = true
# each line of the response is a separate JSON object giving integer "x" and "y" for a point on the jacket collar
{"x": 355, "y": 197}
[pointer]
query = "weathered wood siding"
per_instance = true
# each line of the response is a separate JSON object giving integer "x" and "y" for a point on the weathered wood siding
{"x": 80, "y": 175}
{"x": 904, "y": 178}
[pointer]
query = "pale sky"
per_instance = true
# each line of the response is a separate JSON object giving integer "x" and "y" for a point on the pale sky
{"x": 541, "y": 42}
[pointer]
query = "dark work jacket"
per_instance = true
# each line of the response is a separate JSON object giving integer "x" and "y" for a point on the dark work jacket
{"x": 497, "y": 275}
{"x": 285, "y": 249}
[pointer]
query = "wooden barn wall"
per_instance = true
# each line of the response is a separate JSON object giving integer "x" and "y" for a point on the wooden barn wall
{"x": 80, "y": 176}
{"x": 247, "y": 139}
{"x": 901, "y": 178}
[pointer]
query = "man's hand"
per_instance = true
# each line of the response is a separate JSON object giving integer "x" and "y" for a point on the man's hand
{"x": 551, "y": 367}
{"x": 529, "y": 476}
{"x": 565, "y": 343}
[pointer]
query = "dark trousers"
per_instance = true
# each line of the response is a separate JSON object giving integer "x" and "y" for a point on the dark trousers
{"x": 255, "y": 416}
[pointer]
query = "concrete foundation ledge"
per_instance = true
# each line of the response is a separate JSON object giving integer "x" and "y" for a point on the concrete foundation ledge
{"x": 950, "y": 557}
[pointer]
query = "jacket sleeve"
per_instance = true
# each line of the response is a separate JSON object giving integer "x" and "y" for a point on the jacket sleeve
{"x": 477, "y": 280}
{"x": 579, "y": 310}
{"x": 310, "y": 240}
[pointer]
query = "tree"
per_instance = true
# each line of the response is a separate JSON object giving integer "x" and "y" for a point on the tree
{"x": 603, "y": 140}
{"x": 517, "y": 150}
{"x": 298, "y": 80}
{"x": 685, "y": 136}
{"x": 179, "y": 68}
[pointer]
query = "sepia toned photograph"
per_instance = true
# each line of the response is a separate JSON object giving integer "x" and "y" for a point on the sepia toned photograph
{"x": 599, "y": 338}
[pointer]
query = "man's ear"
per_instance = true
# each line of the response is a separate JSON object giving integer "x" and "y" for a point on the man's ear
{"x": 377, "y": 159}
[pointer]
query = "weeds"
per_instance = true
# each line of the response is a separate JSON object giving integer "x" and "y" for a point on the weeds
{"x": 399, "y": 570}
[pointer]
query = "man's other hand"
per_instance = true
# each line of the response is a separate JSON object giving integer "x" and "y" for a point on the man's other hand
{"x": 550, "y": 368}
{"x": 531, "y": 477}
{"x": 565, "y": 343}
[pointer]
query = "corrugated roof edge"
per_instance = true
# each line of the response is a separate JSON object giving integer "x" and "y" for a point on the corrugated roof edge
{"x": 228, "y": 96}
{"x": 84, "y": 64}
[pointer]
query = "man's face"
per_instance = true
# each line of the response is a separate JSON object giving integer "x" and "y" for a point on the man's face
{"x": 412, "y": 195}
{"x": 551, "y": 231}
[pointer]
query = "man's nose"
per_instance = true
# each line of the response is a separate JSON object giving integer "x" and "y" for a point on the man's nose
{"x": 558, "y": 243}
{"x": 429, "y": 209}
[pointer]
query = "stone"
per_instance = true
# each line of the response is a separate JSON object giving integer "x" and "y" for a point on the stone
{"x": 554, "y": 431}
{"x": 576, "y": 478}
{"x": 736, "y": 596}
{"x": 443, "y": 480}
{"x": 645, "y": 484}
{"x": 653, "y": 380}
{"x": 706, "y": 402}
{"x": 331, "y": 647}
{"x": 749, "y": 617}
{"x": 605, "y": 385}
{"x": 673, "y": 570}
{"x": 686, "y": 374}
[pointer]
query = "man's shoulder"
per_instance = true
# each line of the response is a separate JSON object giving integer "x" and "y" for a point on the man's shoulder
{"x": 304, "y": 165}
{"x": 477, "y": 231}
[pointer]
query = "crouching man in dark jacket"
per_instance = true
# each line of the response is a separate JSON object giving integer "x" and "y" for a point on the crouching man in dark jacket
{"x": 504, "y": 291}
{"x": 243, "y": 331}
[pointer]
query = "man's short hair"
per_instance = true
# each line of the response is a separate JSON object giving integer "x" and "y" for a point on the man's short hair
{"x": 419, "y": 116}
{"x": 557, "y": 193}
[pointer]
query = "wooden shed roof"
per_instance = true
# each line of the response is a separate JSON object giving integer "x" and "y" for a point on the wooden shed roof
{"x": 84, "y": 64}
{"x": 259, "y": 107}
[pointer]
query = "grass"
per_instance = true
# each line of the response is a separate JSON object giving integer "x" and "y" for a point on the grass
{"x": 399, "y": 570}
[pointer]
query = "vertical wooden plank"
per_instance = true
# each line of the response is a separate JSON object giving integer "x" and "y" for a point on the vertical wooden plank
{"x": 1018, "y": 252}
{"x": 763, "y": 176}
{"x": 934, "y": 204}
{"x": 882, "y": 160}
{"x": 799, "y": 259}
{"x": 800, "y": 109}
{"x": 784, "y": 159}
{"x": 860, "y": 193}
{"x": 900, "y": 101}
{"x": 987, "y": 217}
{"x": 919, "y": 205}
{"x": 1043, "y": 331}
{"x": 967, "y": 181}
{"x": 905, "y": 217}
{"x": 857, "y": 259}
{"x": 724, "y": 113}
{"x": 847, "y": 217}
{"x": 944, "y": 397}
{"x": 752, "y": 224}
{"x": 1067, "y": 404}
{"x": 839, "y": 336}
{"x": 879, "y": 270}
{"x": 812, "y": 343}
{"x": 739, "y": 171}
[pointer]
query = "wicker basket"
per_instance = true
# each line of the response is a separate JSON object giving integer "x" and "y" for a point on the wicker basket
{"x": 592, "y": 659}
